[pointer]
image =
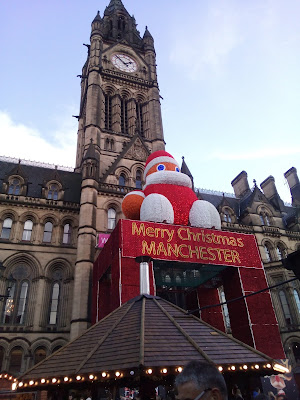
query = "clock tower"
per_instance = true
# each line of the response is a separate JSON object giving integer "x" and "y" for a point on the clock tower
{"x": 120, "y": 124}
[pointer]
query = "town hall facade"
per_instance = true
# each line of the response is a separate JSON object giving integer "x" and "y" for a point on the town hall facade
{"x": 50, "y": 218}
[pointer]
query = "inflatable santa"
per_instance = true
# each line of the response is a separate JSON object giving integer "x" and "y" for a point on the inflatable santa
{"x": 167, "y": 197}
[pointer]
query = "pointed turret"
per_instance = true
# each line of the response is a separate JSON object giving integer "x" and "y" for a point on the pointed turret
{"x": 185, "y": 170}
{"x": 90, "y": 162}
{"x": 114, "y": 5}
{"x": 148, "y": 40}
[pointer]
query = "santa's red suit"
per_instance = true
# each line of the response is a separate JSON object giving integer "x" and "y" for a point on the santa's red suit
{"x": 167, "y": 196}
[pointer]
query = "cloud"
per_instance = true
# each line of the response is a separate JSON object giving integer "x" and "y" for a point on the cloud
{"x": 261, "y": 153}
{"x": 20, "y": 141}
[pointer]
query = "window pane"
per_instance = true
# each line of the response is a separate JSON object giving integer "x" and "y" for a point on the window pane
{"x": 53, "y": 192}
{"x": 14, "y": 187}
{"x": 67, "y": 234}
{"x": 54, "y": 304}
{"x": 27, "y": 230}
{"x": 22, "y": 303}
{"x": 225, "y": 310}
{"x": 268, "y": 253}
{"x": 39, "y": 355}
{"x": 285, "y": 307}
{"x": 47, "y": 232}
{"x": 2, "y": 352}
{"x": 122, "y": 180}
{"x": 9, "y": 306}
{"x": 296, "y": 295}
{"x": 15, "y": 362}
{"x": 6, "y": 228}
{"x": 111, "y": 218}
{"x": 138, "y": 181}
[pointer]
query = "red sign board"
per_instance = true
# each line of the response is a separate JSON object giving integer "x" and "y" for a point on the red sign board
{"x": 188, "y": 244}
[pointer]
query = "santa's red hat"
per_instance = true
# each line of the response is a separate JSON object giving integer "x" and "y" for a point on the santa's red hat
{"x": 157, "y": 157}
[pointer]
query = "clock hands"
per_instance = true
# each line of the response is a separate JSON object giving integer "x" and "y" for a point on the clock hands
{"x": 125, "y": 63}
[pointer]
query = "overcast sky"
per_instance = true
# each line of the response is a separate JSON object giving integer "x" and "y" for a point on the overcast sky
{"x": 229, "y": 75}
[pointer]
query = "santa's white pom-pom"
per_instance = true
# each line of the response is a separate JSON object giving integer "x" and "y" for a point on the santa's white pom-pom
{"x": 157, "y": 208}
{"x": 204, "y": 215}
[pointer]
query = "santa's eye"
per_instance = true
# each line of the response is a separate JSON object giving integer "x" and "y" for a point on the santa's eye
{"x": 177, "y": 169}
{"x": 161, "y": 167}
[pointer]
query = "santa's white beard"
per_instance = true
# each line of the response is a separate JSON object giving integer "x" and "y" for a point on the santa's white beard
{"x": 168, "y": 177}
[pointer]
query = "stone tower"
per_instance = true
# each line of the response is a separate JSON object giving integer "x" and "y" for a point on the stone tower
{"x": 119, "y": 126}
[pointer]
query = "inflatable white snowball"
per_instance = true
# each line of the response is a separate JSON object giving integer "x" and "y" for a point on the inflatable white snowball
{"x": 157, "y": 208}
{"x": 204, "y": 215}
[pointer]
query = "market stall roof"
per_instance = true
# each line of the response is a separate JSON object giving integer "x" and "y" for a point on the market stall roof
{"x": 145, "y": 332}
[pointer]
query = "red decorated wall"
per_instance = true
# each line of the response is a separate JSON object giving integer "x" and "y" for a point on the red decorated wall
{"x": 116, "y": 276}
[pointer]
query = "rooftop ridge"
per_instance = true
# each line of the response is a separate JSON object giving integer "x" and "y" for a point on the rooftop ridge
{"x": 36, "y": 163}
{"x": 216, "y": 192}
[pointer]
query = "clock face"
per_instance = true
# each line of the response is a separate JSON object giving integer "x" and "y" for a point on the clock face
{"x": 124, "y": 63}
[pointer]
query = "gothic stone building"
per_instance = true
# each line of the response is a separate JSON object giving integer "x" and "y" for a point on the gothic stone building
{"x": 50, "y": 217}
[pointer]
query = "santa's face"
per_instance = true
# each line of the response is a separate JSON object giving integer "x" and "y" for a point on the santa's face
{"x": 167, "y": 173}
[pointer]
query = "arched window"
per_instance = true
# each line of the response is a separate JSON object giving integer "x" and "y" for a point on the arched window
{"x": 53, "y": 192}
{"x": 178, "y": 280}
{"x": 297, "y": 299}
{"x": 281, "y": 251}
{"x": 167, "y": 278}
{"x": 265, "y": 217}
{"x": 9, "y": 305}
{"x": 138, "y": 179}
{"x": 6, "y": 228}
{"x": 56, "y": 349}
{"x": 227, "y": 216}
{"x": 14, "y": 187}
{"x": 54, "y": 304}
{"x": 268, "y": 252}
{"x": 67, "y": 234}
{"x": 122, "y": 180}
{"x": 15, "y": 360}
{"x": 225, "y": 309}
{"x": 124, "y": 116}
{"x": 39, "y": 355}
{"x": 139, "y": 118}
{"x": 48, "y": 232}
{"x": 2, "y": 352}
{"x": 296, "y": 351}
{"x": 108, "y": 112}
{"x": 285, "y": 307}
{"x": 106, "y": 145}
{"x": 111, "y": 216}
{"x": 22, "y": 303}
{"x": 27, "y": 230}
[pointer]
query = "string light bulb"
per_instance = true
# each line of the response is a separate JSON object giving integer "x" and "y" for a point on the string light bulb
{"x": 31, "y": 383}
{"x": 104, "y": 374}
{"x": 233, "y": 368}
{"x": 91, "y": 377}
{"x": 256, "y": 366}
{"x": 245, "y": 367}
{"x": 78, "y": 377}
{"x": 179, "y": 369}
{"x": 117, "y": 374}
{"x": 269, "y": 365}
{"x": 66, "y": 379}
{"x": 220, "y": 369}
{"x": 54, "y": 380}
{"x": 43, "y": 380}
{"x": 149, "y": 371}
{"x": 20, "y": 384}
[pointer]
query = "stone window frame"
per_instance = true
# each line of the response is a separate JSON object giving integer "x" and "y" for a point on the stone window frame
{"x": 228, "y": 211}
{"x": 47, "y": 188}
{"x": 268, "y": 256}
{"x": 281, "y": 250}
{"x": 265, "y": 215}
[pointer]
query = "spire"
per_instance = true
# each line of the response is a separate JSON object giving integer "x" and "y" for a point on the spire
{"x": 97, "y": 18}
{"x": 113, "y": 6}
{"x": 90, "y": 153}
{"x": 147, "y": 34}
{"x": 185, "y": 170}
